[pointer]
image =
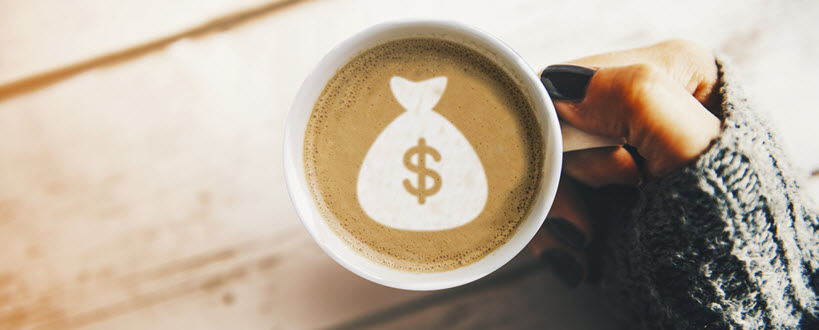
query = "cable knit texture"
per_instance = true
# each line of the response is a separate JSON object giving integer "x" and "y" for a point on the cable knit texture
{"x": 727, "y": 242}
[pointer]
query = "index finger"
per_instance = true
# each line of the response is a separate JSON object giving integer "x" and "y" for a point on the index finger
{"x": 685, "y": 62}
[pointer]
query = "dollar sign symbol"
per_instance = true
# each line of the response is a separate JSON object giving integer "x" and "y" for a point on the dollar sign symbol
{"x": 422, "y": 191}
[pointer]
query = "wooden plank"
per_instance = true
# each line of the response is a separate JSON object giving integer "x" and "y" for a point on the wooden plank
{"x": 40, "y": 36}
{"x": 148, "y": 192}
{"x": 525, "y": 296}
{"x": 135, "y": 190}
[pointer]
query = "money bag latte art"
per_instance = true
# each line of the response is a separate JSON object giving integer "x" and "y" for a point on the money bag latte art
{"x": 423, "y": 155}
{"x": 421, "y": 173}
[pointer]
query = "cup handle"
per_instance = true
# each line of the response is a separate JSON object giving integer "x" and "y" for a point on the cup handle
{"x": 575, "y": 139}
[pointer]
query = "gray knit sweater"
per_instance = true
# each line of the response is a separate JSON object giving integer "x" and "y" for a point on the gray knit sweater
{"x": 727, "y": 242}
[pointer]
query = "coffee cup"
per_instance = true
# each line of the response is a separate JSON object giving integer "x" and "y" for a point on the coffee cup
{"x": 556, "y": 136}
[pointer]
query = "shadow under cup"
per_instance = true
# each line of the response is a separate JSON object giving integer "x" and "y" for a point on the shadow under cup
{"x": 313, "y": 86}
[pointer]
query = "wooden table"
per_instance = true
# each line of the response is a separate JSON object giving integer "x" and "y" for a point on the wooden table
{"x": 140, "y": 143}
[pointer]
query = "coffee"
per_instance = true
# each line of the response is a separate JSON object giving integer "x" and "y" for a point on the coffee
{"x": 484, "y": 106}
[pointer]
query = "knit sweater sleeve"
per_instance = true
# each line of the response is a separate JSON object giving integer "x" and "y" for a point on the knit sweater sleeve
{"x": 727, "y": 242}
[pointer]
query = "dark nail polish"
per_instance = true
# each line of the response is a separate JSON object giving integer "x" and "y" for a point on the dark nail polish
{"x": 564, "y": 266}
{"x": 566, "y": 232}
{"x": 566, "y": 82}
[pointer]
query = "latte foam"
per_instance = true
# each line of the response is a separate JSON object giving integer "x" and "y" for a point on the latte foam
{"x": 480, "y": 99}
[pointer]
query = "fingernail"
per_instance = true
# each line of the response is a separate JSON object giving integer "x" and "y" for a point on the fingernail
{"x": 564, "y": 266}
{"x": 566, "y": 82}
{"x": 566, "y": 232}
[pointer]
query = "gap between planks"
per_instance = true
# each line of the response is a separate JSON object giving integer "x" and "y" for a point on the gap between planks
{"x": 507, "y": 277}
{"x": 222, "y": 23}
{"x": 238, "y": 261}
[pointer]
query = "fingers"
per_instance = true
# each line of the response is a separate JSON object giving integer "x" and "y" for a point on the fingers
{"x": 562, "y": 240}
{"x": 602, "y": 166}
{"x": 687, "y": 63}
{"x": 656, "y": 115}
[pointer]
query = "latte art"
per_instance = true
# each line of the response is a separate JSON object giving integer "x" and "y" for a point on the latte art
{"x": 423, "y": 155}
{"x": 421, "y": 173}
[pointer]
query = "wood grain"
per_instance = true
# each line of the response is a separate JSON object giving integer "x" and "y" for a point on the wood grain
{"x": 37, "y": 80}
{"x": 159, "y": 183}
{"x": 48, "y": 35}
{"x": 523, "y": 296}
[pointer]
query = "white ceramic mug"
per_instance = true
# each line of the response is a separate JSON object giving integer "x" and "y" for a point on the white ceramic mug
{"x": 557, "y": 139}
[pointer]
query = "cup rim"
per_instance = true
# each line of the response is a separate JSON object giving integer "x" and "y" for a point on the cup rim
{"x": 302, "y": 199}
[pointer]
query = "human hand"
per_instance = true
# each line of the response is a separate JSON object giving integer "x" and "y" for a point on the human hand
{"x": 661, "y": 99}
